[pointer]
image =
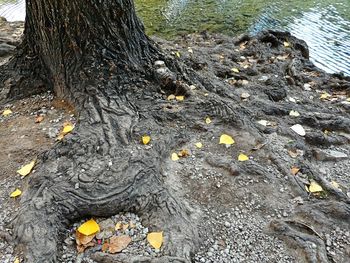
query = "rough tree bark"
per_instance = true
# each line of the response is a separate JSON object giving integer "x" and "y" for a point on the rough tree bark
{"x": 96, "y": 56}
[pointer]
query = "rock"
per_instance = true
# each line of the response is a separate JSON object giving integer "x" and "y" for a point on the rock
{"x": 329, "y": 155}
{"x": 107, "y": 224}
{"x": 298, "y": 129}
{"x": 159, "y": 64}
{"x": 245, "y": 95}
{"x": 6, "y": 49}
{"x": 2, "y": 19}
{"x": 276, "y": 94}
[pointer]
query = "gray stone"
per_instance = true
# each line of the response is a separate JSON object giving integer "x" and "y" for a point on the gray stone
{"x": 329, "y": 155}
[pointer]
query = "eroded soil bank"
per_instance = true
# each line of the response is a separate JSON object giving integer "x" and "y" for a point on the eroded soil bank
{"x": 258, "y": 210}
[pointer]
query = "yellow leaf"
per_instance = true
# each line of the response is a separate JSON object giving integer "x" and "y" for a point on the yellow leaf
{"x": 155, "y": 239}
{"x": 25, "y": 170}
{"x": 226, "y": 139}
{"x": 171, "y": 97}
{"x": 146, "y": 139}
{"x": 180, "y": 98}
{"x": 16, "y": 193}
{"x": 16, "y": 260}
{"x": 89, "y": 227}
{"x": 178, "y": 54}
{"x": 348, "y": 99}
{"x": 286, "y": 44}
{"x": 236, "y": 70}
{"x": 325, "y": 96}
{"x": 174, "y": 157}
{"x": 335, "y": 184}
{"x": 6, "y": 112}
{"x": 315, "y": 187}
{"x": 199, "y": 145}
{"x": 242, "y": 157}
{"x": 207, "y": 120}
{"x": 118, "y": 226}
{"x": 67, "y": 128}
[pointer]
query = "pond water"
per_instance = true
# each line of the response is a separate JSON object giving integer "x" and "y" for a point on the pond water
{"x": 323, "y": 24}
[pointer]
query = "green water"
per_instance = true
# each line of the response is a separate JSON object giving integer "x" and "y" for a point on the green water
{"x": 323, "y": 24}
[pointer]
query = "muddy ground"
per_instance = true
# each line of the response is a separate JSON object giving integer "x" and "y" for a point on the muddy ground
{"x": 251, "y": 211}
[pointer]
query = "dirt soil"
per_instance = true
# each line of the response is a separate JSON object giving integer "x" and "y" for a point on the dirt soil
{"x": 251, "y": 211}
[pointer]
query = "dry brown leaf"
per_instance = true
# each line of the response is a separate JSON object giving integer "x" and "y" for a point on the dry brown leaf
{"x": 105, "y": 247}
{"x": 184, "y": 153}
{"x": 39, "y": 119}
{"x": 81, "y": 248}
{"x": 82, "y": 239}
{"x": 294, "y": 170}
{"x": 118, "y": 243}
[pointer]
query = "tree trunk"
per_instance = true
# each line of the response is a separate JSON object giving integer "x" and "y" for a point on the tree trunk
{"x": 96, "y": 55}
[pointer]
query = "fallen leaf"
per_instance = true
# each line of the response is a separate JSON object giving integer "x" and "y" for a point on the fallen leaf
{"x": 348, "y": 99}
{"x": 118, "y": 243}
{"x": 81, "y": 248}
{"x": 105, "y": 247}
{"x": 325, "y": 96}
{"x": 178, "y": 54}
{"x": 125, "y": 227}
{"x": 293, "y": 154}
{"x": 207, "y": 120}
{"x": 294, "y": 113}
{"x": 298, "y": 129}
{"x": 286, "y": 44}
{"x": 118, "y": 226}
{"x": 199, "y": 145}
{"x": 335, "y": 185}
{"x": 6, "y": 112}
{"x": 132, "y": 224}
{"x": 26, "y": 169}
{"x": 315, "y": 187}
{"x": 82, "y": 239}
{"x": 16, "y": 260}
{"x": 16, "y": 193}
{"x": 294, "y": 170}
{"x": 39, "y": 119}
{"x": 89, "y": 227}
{"x": 226, "y": 139}
{"x": 236, "y": 70}
{"x": 180, "y": 98}
{"x": 67, "y": 128}
{"x": 242, "y": 157}
{"x": 183, "y": 153}
{"x": 174, "y": 157}
{"x": 190, "y": 50}
{"x": 146, "y": 139}
{"x": 171, "y": 97}
{"x": 155, "y": 239}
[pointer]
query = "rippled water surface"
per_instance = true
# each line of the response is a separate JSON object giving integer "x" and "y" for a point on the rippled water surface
{"x": 323, "y": 24}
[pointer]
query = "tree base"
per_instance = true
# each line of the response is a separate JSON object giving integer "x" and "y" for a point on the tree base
{"x": 102, "y": 168}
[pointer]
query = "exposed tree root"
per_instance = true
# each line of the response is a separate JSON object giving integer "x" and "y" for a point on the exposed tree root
{"x": 101, "y": 168}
